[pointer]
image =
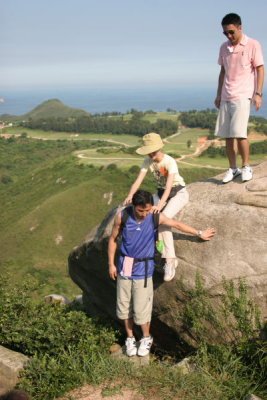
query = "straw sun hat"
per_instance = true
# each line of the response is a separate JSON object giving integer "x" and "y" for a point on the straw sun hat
{"x": 152, "y": 142}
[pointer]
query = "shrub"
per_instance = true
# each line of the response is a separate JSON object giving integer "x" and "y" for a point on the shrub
{"x": 134, "y": 169}
{"x": 236, "y": 315}
{"x": 64, "y": 343}
{"x": 6, "y": 179}
{"x": 112, "y": 167}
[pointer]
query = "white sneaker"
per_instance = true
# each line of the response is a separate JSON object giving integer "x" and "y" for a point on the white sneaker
{"x": 130, "y": 345}
{"x": 246, "y": 173}
{"x": 144, "y": 346}
{"x": 169, "y": 270}
{"x": 230, "y": 175}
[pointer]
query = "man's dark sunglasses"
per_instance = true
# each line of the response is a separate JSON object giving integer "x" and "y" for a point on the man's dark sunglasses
{"x": 229, "y": 32}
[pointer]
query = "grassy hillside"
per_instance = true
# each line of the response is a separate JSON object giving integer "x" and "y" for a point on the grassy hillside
{"x": 49, "y": 203}
{"x": 50, "y": 209}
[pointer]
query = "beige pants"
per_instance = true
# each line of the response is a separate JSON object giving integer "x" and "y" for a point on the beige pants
{"x": 134, "y": 300}
{"x": 174, "y": 205}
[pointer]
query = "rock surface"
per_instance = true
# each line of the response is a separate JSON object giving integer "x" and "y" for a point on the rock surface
{"x": 253, "y": 397}
{"x": 11, "y": 363}
{"x": 239, "y": 213}
{"x": 119, "y": 353}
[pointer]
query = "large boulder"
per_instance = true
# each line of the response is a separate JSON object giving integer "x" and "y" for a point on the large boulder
{"x": 237, "y": 210}
{"x": 11, "y": 364}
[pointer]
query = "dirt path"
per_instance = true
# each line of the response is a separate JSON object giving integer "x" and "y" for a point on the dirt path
{"x": 89, "y": 392}
{"x": 202, "y": 146}
{"x": 165, "y": 140}
{"x": 200, "y": 166}
{"x": 106, "y": 158}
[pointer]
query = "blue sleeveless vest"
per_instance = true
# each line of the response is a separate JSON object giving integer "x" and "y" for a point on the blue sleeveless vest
{"x": 138, "y": 241}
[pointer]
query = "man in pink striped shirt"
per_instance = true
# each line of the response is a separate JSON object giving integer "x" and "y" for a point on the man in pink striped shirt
{"x": 240, "y": 83}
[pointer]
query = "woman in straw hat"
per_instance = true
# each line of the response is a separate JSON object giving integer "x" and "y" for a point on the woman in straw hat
{"x": 171, "y": 194}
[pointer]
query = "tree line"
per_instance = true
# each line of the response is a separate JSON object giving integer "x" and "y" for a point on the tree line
{"x": 85, "y": 124}
{"x": 205, "y": 119}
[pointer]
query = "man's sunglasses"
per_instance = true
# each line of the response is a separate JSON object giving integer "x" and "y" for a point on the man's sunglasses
{"x": 229, "y": 32}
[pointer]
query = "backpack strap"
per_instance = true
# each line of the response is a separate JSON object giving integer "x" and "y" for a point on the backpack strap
{"x": 124, "y": 218}
{"x": 156, "y": 224}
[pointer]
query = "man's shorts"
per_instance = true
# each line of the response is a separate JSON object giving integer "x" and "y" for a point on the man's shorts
{"x": 134, "y": 300}
{"x": 232, "y": 121}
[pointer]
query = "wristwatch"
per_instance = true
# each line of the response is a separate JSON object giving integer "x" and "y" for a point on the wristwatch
{"x": 199, "y": 233}
{"x": 259, "y": 93}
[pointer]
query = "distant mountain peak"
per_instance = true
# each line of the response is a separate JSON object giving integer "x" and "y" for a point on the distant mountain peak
{"x": 51, "y": 108}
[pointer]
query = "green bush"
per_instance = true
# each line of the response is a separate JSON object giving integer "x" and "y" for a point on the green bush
{"x": 112, "y": 167}
{"x": 65, "y": 345}
{"x": 236, "y": 316}
{"x": 228, "y": 335}
{"x": 134, "y": 169}
{"x": 6, "y": 179}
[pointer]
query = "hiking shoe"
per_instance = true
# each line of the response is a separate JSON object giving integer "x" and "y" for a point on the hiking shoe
{"x": 230, "y": 175}
{"x": 144, "y": 346}
{"x": 246, "y": 173}
{"x": 169, "y": 270}
{"x": 130, "y": 345}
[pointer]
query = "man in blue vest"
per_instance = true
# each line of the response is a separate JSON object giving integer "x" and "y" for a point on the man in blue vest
{"x": 136, "y": 266}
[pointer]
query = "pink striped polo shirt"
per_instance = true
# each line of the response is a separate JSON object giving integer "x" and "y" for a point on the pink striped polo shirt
{"x": 239, "y": 63}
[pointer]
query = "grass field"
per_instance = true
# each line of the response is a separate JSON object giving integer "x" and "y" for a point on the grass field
{"x": 161, "y": 115}
{"x": 176, "y": 145}
{"x": 186, "y": 134}
{"x": 129, "y": 140}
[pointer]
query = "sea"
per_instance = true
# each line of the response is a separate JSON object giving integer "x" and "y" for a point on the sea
{"x": 100, "y": 100}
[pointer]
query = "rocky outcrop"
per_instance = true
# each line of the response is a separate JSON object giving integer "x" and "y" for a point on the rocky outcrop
{"x": 237, "y": 210}
{"x": 11, "y": 363}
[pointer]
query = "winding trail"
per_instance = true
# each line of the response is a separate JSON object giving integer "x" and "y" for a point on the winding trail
{"x": 199, "y": 149}
{"x": 106, "y": 158}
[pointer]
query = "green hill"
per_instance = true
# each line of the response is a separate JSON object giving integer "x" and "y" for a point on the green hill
{"x": 54, "y": 108}
{"x": 50, "y": 108}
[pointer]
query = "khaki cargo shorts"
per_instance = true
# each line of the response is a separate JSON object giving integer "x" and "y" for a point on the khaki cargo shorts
{"x": 134, "y": 300}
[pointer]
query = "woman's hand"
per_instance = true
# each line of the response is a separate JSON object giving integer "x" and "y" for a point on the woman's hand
{"x": 128, "y": 200}
{"x": 155, "y": 210}
{"x": 208, "y": 234}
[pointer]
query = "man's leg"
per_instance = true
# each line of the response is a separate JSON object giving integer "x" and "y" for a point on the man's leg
{"x": 142, "y": 309}
{"x": 239, "y": 128}
{"x": 145, "y": 329}
{"x": 128, "y": 324}
{"x": 146, "y": 341}
{"x": 243, "y": 148}
{"x": 125, "y": 312}
{"x": 231, "y": 152}
{"x": 223, "y": 129}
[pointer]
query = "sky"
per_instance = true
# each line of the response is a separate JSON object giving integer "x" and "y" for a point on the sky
{"x": 117, "y": 43}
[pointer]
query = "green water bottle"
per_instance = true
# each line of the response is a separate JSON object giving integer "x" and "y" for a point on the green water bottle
{"x": 160, "y": 245}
